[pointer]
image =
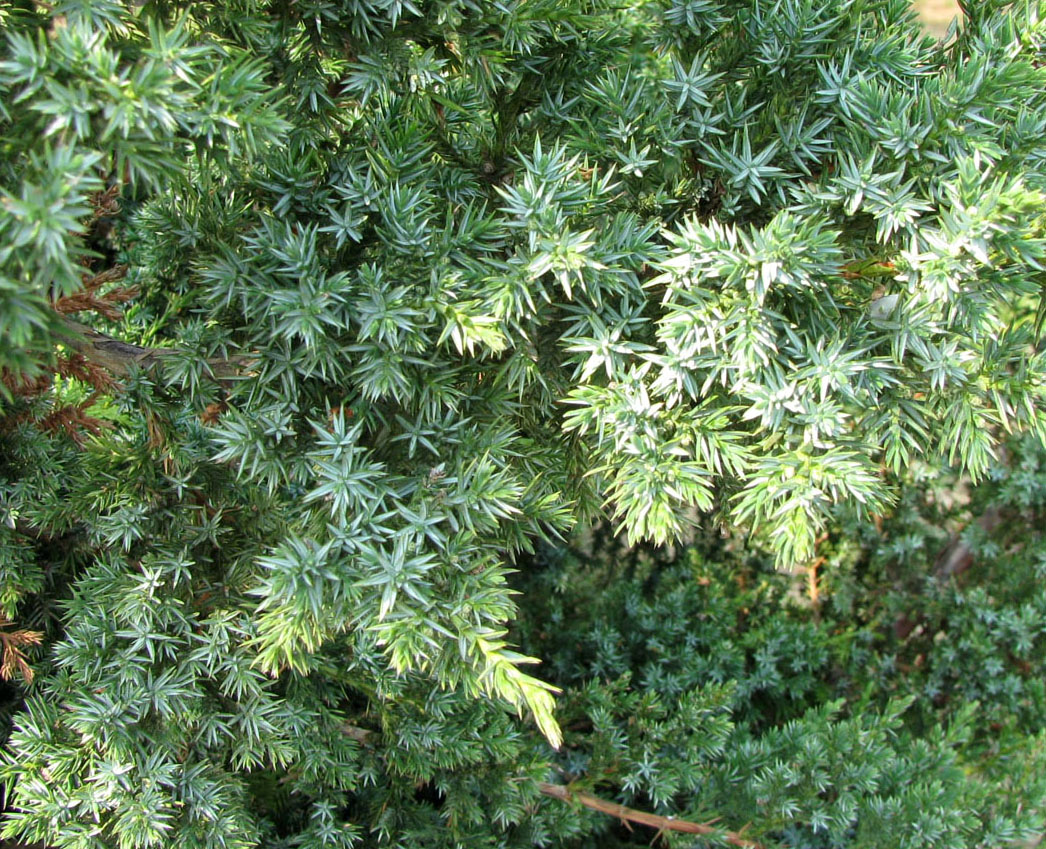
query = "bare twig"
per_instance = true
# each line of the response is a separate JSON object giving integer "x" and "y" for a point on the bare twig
{"x": 360, "y": 735}
{"x": 566, "y": 794}
{"x": 957, "y": 557}
{"x": 812, "y": 587}
{"x": 120, "y": 358}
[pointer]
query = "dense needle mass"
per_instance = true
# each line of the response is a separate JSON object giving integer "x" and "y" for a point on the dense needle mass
{"x": 380, "y": 295}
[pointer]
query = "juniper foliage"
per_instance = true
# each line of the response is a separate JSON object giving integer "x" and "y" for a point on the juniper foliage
{"x": 375, "y": 295}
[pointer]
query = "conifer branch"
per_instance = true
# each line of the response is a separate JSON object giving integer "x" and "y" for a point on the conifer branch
{"x": 565, "y": 794}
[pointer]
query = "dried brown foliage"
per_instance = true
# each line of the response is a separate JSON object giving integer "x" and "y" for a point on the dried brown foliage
{"x": 72, "y": 419}
{"x": 106, "y": 204}
{"x": 89, "y": 299}
{"x": 12, "y": 644}
{"x": 78, "y": 366}
{"x": 23, "y": 386}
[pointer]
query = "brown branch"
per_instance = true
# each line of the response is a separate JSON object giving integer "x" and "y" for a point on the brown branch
{"x": 813, "y": 589}
{"x": 121, "y": 358}
{"x": 957, "y": 556}
{"x": 363, "y": 736}
{"x": 565, "y": 794}
{"x": 367, "y": 737}
{"x": 116, "y": 357}
{"x": 954, "y": 559}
